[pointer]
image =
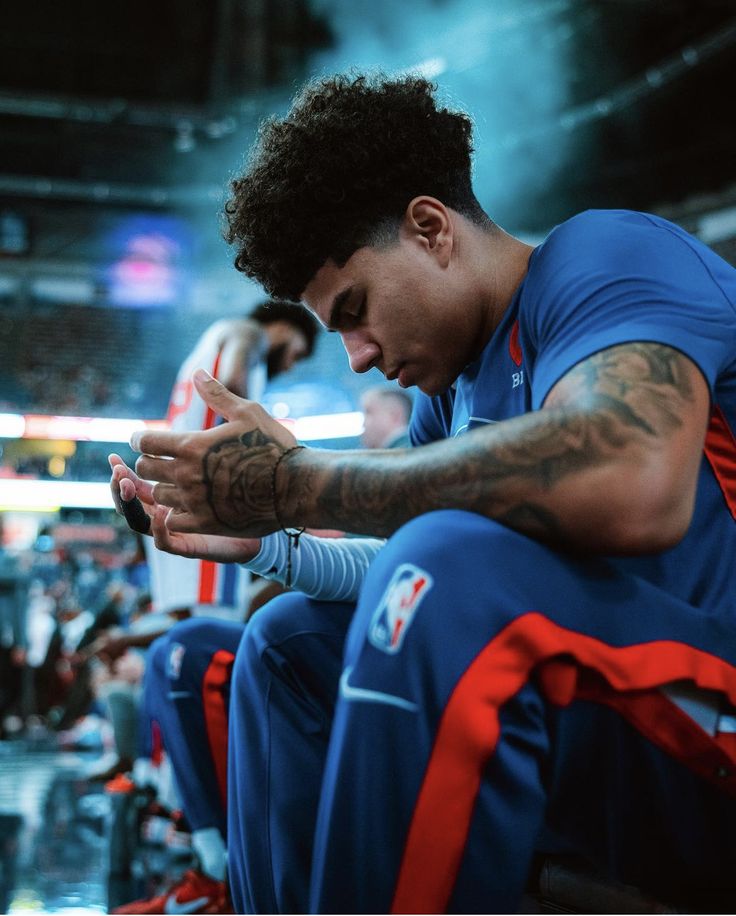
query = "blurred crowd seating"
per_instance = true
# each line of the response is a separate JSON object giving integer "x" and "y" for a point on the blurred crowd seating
{"x": 80, "y": 360}
{"x": 76, "y": 582}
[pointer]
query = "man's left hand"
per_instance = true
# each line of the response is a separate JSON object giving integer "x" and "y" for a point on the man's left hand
{"x": 218, "y": 481}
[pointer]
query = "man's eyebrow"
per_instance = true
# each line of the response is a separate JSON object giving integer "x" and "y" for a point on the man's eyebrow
{"x": 333, "y": 322}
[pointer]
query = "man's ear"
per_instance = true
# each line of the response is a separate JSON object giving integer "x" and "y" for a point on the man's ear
{"x": 428, "y": 221}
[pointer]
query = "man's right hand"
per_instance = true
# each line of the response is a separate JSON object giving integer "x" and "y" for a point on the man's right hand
{"x": 126, "y": 485}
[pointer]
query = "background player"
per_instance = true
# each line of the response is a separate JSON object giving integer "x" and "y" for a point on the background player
{"x": 241, "y": 353}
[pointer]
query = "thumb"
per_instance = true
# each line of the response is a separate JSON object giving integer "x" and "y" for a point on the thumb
{"x": 216, "y": 395}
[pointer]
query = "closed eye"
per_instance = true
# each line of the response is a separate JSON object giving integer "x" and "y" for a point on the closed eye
{"x": 353, "y": 317}
{"x": 342, "y": 315}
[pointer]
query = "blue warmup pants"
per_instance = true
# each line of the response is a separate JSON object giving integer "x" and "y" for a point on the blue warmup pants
{"x": 186, "y": 693}
{"x": 495, "y": 699}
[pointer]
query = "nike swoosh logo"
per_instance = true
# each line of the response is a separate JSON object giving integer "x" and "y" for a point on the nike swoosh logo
{"x": 361, "y": 695}
{"x": 177, "y": 694}
{"x": 172, "y": 905}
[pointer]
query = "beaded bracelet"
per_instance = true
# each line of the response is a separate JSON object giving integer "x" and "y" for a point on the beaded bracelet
{"x": 293, "y": 534}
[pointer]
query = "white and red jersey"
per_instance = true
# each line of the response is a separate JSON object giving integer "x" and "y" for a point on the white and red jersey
{"x": 218, "y": 589}
{"x": 187, "y": 411}
{"x": 203, "y": 586}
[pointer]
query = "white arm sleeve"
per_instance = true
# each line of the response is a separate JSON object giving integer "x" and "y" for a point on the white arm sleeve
{"x": 328, "y": 568}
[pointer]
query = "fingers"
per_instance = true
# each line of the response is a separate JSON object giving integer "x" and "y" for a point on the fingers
{"x": 159, "y": 469}
{"x": 125, "y": 487}
{"x": 120, "y": 472}
{"x": 163, "y": 537}
{"x": 216, "y": 395}
{"x": 166, "y": 494}
{"x": 149, "y": 442}
{"x": 115, "y": 492}
{"x": 182, "y": 522}
{"x": 169, "y": 444}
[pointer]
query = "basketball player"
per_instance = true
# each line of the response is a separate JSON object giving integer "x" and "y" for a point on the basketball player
{"x": 242, "y": 353}
{"x": 543, "y": 655}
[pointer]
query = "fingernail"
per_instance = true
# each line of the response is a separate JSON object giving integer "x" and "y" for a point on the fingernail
{"x": 134, "y": 439}
{"x": 203, "y": 375}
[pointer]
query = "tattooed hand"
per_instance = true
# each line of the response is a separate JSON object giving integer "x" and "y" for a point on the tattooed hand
{"x": 217, "y": 481}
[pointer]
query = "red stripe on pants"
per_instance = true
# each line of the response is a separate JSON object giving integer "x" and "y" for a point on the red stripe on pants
{"x": 215, "y": 678}
{"x": 469, "y": 731}
{"x": 157, "y": 744}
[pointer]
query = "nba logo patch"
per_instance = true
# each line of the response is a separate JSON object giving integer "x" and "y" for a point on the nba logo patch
{"x": 176, "y": 657}
{"x": 397, "y": 608}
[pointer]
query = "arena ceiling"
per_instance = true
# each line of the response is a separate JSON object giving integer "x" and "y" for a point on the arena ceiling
{"x": 577, "y": 102}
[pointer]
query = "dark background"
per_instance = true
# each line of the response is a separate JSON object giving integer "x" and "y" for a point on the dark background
{"x": 117, "y": 116}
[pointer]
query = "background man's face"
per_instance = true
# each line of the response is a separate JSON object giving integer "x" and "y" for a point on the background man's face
{"x": 288, "y": 348}
{"x": 382, "y": 419}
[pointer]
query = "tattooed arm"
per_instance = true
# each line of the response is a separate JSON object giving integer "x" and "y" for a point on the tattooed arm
{"x": 609, "y": 464}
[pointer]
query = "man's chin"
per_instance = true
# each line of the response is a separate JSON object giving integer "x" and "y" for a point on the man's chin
{"x": 431, "y": 387}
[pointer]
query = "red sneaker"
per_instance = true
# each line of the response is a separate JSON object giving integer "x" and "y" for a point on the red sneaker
{"x": 194, "y": 892}
{"x": 121, "y": 784}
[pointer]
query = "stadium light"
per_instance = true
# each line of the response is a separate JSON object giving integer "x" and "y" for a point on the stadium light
{"x": 328, "y": 426}
{"x": 12, "y": 425}
{"x": 51, "y": 495}
{"x": 104, "y": 429}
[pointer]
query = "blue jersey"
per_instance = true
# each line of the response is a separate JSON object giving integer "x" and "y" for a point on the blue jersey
{"x": 600, "y": 279}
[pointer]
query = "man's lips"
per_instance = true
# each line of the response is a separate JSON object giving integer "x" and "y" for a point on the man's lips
{"x": 394, "y": 373}
{"x": 400, "y": 373}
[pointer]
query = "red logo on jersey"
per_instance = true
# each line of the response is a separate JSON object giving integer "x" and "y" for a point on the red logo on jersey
{"x": 181, "y": 399}
{"x": 514, "y": 346}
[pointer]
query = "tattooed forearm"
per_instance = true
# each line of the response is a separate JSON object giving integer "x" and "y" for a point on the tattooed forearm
{"x": 496, "y": 471}
{"x": 616, "y": 409}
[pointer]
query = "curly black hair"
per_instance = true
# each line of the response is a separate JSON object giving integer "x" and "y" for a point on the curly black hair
{"x": 338, "y": 172}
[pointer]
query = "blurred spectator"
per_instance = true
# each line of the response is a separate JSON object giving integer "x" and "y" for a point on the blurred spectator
{"x": 13, "y": 642}
{"x": 386, "y": 413}
{"x": 44, "y": 641}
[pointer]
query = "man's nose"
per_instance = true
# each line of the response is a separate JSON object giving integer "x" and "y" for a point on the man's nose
{"x": 363, "y": 354}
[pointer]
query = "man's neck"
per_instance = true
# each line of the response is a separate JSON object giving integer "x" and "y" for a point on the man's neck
{"x": 501, "y": 262}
